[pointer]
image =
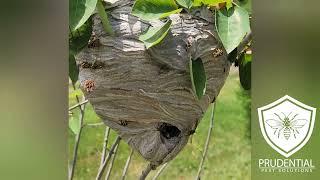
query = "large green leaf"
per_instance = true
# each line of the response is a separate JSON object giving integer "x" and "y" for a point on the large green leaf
{"x": 154, "y": 35}
{"x": 79, "y": 38}
{"x": 212, "y": 2}
{"x": 151, "y": 10}
{"x": 232, "y": 25}
{"x": 185, "y": 3}
{"x": 245, "y": 71}
{"x": 80, "y": 11}
{"x": 74, "y": 125}
{"x": 198, "y": 77}
{"x": 73, "y": 69}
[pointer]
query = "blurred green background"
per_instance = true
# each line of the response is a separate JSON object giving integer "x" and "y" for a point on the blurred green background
{"x": 228, "y": 154}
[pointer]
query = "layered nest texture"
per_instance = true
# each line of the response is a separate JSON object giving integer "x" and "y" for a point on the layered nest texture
{"x": 146, "y": 95}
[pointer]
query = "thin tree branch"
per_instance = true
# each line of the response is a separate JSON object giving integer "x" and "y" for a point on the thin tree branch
{"x": 79, "y": 104}
{"x": 105, "y": 144}
{"x": 206, "y": 146}
{"x": 76, "y": 147}
{"x": 77, "y": 139}
{"x": 160, "y": 171}
{"x": 94, "y": 124}
{"x": 145, "y": 172}
{"x": 126, "y": 167}
{"x": 103, "y": 166}
{"x": 112, "y": 162}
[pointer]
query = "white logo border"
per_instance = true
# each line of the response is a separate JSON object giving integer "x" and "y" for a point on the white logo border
{"x": 308, "y": 135}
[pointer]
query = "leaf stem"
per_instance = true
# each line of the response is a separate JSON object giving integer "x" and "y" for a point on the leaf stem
{"x": 145, "y": 172}
{"x": 104, "y": 18}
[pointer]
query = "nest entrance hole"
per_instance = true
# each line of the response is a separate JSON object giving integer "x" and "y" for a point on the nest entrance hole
{"x": 168, "y": 131}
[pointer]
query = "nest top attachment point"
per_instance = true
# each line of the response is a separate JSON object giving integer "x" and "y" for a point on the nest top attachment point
{"x": 146, "y": 95}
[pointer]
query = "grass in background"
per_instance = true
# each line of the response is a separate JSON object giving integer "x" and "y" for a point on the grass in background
{"x": 228, "y": 154}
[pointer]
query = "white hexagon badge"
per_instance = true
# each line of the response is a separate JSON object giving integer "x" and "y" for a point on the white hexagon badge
{"x": 286, "y": 124}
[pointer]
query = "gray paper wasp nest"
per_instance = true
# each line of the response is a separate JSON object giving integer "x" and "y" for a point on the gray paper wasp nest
{"x": 146, "y": 95}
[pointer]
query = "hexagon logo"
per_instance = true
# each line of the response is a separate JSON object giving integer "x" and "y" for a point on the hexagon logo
{"x": 286, "y": 124}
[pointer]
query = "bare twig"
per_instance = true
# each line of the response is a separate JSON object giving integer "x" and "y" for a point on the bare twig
{"x": 105, "y": 144}
{"x": 126, "y": 167}
{"x": 94, "y": 124}
{"x": 160, "y": 171}
{"x": 76, "y": 147}
{"x": 145, "y": 172}
{"x": 112, "y": 162}
{"x": 206, "y": 146}
{"x": 77, "y": 139}
{"x": 103, "y": 166}
{"x": 79, "y": 104}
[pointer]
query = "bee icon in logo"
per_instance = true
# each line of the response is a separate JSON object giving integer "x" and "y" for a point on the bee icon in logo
{"x": 286, "y": 125}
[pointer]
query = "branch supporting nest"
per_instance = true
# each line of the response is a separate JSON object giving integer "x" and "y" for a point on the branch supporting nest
{"x": 160, "y": 171}
{"x": 112, "y": 162}
{"x": 146, "y": 171}
{"x": 206, "y": 146}
{"x": 104, "y": 165}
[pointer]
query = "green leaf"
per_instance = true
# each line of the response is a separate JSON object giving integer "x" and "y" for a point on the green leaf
{"x": 185, "y": 3}
{"x": 74, "y": 125}
{"x": 73, "y": 69}
{"x": 154, "y": 35}
{"x": 198, "y": 77}
{"x": 151, "y": 10}
{"x": 245, "y": 4}
{"x": 245, "y": 71}
{"x": 79, "y": 38}
{"x": 197, "y": 3}
{"x": 80, "y": 11}
{"x": 232, "y": 25}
